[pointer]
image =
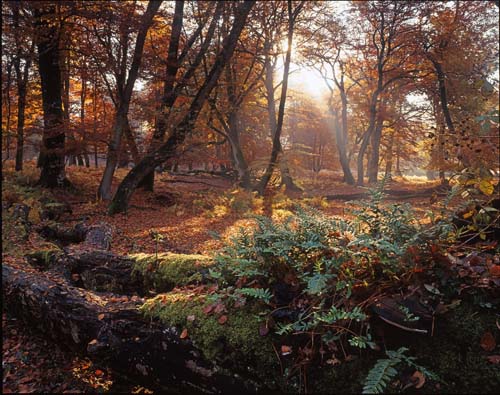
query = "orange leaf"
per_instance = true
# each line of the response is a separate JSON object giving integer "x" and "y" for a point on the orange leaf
{"x": 184, "y": 333}
{"x": 100, "y": 317}
{"x": 488, "y": 342}
{"x": 99, "y": 372}
{"x": 495, "y": 271}
{"x": 223, "y": 319}
{"x": 285, "y": 350}
{"x": 208, "y": 309}
{"x": 419, "y": 378}
{"x": 93, "y": 342}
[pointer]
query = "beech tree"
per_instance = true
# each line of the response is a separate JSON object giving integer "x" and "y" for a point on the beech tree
{"x": 125, "y": 85}
{"x": 52, "y": 153}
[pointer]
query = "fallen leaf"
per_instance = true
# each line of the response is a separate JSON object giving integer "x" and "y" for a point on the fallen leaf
{"x": 208, "y": 309}
{"x": 191, "y": 318}
{"x": 184, "y": 333}
{"x": 100, "y": 317}
{"x": 98, "y": 372}
{"x": 92, "y": 342}
{"x": 75, "y": 277}
{"x": 488, "y": 342}
{"x": 495, "y": 271}
{"x": 219, "y": 308}
{"x": 495, "y": 359}
{"x": 419, "y": 378}
{"x": 286, "y": 350}
{"x": 222, "y": 319}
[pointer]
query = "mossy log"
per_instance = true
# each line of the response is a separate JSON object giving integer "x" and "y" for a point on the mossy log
{"x": 111, "y": 330}
{"x": 99, "y": 270}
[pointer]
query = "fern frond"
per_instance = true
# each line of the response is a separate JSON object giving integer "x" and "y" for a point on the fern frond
{"x": 380, "y": 376}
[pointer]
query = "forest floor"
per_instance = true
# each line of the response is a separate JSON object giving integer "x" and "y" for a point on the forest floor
{"x": 184, "y": 209}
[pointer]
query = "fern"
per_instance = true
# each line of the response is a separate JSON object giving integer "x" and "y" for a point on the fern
{"x": 385, "y": 370}
{"x": 257, "y": 293}
{"x": 380, "y": 375}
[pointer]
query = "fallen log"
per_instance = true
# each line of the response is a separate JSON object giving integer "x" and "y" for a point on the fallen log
{"x": 104, "y": 271}
{"x": 112, "y": 331}
{"x": 95, "y": 236}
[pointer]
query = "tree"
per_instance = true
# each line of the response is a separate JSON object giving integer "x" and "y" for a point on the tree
{"x": 387, "y": 49}
{"x": 171, "y": 87}
{"x": 178, "y": 135}
{"x": 125, "y": 88}
{"x": 52, "y": 152}
{"x": 277, "y": 148}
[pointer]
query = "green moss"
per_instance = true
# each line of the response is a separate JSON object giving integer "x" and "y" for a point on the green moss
{"x": 454, "y": 352}
{"x": 170, "y": 270}
{"x": 43, "y": 259}
{"x": 236, "y": 343}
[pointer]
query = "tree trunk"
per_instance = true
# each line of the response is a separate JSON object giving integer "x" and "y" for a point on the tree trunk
{"x": 367, "y": 135}
{"x": 239, "y": 161}
{"x": 52, "y": 154}
{"x": 389, "y": 157}
{"x": 22, "y": 82}
{"x": 168, "y": 149}
{"x": 276, "y": 131}
{"x": 373, "y": 163}
{"x": 124, "y": 102}
{"x": 169, "y": 81}
{"x": 9, "y": 112}
{"x": 342, "y": 143}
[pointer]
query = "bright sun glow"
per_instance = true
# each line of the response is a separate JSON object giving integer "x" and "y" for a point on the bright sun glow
{"x": 301, "y": 78}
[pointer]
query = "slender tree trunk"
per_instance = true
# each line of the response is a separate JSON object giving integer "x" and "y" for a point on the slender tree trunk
{"x": 21, "y": 105}
{"x": 389, "y": 157}
{"x": 83, "y": 95}
{"x": 342, "y": 143}
{"x": 121, "y": 114}
{"x": 373, "y": 163}
{"x": 399, "y": 173}
{"x": 277, "y": 149}
{"x": 9, "y": 110}
{"x": 132, "y": 145}
{"x": 52, "y": 156}
{"x": 168, "y": 98}
{"x": 22, "y": 81}
{"x": 168, "y": 149}
{"x": 239, "y": 161}
{"x": 367, "y": 135}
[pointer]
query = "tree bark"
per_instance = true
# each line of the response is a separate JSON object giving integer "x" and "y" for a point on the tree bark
{"x": 53, "y": 143}
{"x": 168, "y": 149}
